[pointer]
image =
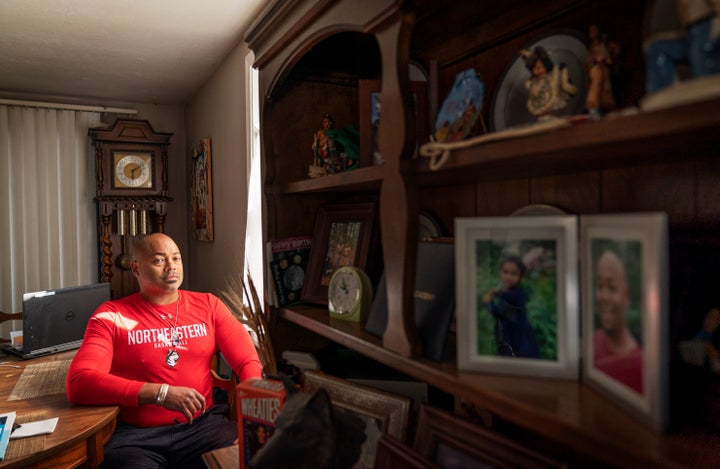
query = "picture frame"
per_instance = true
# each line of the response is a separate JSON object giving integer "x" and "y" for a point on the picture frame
{"x": 370, "y": 99}
{"x": 392, "y": 453}
{"x": 343, "y": 235}
{"x": 201, "y": 191}
{"x": 382, "y": 412}
{"x": 624, "y": 288}
{"x": 530, "y": 327}
{"x": 450, "y": 441}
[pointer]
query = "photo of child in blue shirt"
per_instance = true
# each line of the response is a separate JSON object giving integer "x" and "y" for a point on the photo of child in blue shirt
{"x": 515, "y": 335}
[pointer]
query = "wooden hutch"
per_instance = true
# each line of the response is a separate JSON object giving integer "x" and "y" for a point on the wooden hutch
{"x": 311, "y": 55}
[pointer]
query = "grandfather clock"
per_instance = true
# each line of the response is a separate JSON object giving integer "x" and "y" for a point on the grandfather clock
{"x": 131, "y": 178}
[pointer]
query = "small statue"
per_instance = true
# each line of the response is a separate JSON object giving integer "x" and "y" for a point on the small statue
{"x": 334, "y": 150}
{"x": 597, "y": 64}
{"x": 549, "y": 86}
{"x": 691, "y": 36}
{"x": 322, "y": 148}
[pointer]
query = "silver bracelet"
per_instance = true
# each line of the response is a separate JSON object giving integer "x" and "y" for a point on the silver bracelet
{"x": 162, "y": 392}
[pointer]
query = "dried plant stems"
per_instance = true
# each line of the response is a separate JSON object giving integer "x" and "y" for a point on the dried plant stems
{"x": 250, "y": 313}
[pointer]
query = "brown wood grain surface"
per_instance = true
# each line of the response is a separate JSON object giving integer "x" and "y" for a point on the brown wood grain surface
{"x": 80, "y": 433}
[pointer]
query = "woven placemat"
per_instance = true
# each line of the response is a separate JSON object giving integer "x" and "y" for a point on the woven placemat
{"x": 41, "y": 379}
{"x": 32, "y": 444}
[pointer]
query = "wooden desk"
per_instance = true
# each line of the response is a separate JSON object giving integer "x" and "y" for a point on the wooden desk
{"x": 81, "y": 431}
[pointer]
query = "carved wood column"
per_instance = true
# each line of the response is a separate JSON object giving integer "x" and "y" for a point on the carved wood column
{"x": 398, "y": 197}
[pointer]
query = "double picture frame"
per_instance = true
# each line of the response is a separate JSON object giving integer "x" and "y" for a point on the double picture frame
{"x": 568, "y": 297}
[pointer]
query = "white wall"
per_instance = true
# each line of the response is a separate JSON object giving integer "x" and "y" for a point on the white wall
{"x": 218, "y": 110}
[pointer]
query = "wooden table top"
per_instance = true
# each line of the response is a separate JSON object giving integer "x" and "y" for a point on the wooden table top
{"x": 80, "y": 433}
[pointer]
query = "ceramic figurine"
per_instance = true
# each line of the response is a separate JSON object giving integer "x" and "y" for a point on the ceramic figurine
{"x": 334, "y": 150}
{"x": 597, "y": 64}
{"x": 549, "y": 87}
{"x": 322, "y": 147}
{"x": 682, "y": 31}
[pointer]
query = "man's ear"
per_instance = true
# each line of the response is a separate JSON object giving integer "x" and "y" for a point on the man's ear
{"x": 134, "y": 268}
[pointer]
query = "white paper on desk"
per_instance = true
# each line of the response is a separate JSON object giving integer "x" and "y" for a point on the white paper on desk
{"x": 35, "y": 428}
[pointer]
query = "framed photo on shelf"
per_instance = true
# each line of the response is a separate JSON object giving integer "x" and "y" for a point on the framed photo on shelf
{"x": 382, "y": 412}
{"x": 343, "y": 236}
{"x": 392, "y": 453}
{"x": 625, "y": 311}
{"x": 517, "y": 295}
{"x": 450, "y": 441}
{"x": 201, "y": 192}
{"x": 370, "y": 99}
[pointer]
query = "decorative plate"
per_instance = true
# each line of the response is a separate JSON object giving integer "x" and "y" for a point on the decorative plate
{"x": 429, "y": 226}
{"x": 539, "y": 209}
{"x": 509, "y": 103}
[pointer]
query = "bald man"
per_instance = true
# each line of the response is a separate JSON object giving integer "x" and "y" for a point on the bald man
{"x": 149, "y": 353}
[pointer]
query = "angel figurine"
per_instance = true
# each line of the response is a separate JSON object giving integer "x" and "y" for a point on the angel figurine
{"x": 597, "y": 65}
{"x": 549, "y": 86}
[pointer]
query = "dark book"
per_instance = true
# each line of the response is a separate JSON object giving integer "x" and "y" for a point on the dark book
{"x": 288, "y": 266}
{"x": 434, "y": 298}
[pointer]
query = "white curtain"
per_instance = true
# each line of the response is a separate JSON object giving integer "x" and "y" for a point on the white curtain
{"x": 253, "y": 234}
{"x": 47, "y": 213}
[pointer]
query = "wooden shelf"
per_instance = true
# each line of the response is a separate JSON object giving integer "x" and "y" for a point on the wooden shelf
{"x": 556, "y": 409}
{"x": 642, "y": 138}
{"x": 361, "y": 179}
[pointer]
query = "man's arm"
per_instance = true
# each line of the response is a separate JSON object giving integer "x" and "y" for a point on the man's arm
{"x": 89, "y": 381}
{"x": 235, "y": 344}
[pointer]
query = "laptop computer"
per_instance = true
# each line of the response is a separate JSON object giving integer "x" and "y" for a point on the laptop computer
{"x": 55, "y": 320}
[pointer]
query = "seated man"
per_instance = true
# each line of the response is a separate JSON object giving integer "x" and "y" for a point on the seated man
{"x": 149, "y": 353}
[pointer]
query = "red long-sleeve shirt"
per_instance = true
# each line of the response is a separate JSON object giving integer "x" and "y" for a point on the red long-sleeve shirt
{"x": 127, "y": 340}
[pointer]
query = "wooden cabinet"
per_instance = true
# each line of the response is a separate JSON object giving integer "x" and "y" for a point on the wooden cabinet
{"x": 311, "y": 55}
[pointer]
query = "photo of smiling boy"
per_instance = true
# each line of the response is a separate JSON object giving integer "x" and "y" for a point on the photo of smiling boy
{"x": 616, "y": 350}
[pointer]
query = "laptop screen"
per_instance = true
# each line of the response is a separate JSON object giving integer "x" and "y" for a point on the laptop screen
{"x": 55, "y": 320}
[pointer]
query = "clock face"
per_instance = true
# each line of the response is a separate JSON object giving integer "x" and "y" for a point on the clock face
{"x": 344, "y": 291}
{"x": 133, "y": 170}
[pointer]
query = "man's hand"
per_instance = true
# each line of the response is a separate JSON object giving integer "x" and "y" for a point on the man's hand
{"x": 187, "y": 401}
{"x": 181, "y": 399}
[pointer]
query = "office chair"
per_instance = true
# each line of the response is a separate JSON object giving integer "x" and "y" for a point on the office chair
{"x": 8, "y": 317}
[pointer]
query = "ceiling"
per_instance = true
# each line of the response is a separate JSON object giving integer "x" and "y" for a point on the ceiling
{"x": 141, "y": 51}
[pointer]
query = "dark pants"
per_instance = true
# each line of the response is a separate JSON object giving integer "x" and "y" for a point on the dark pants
{"x": 173, "y": 446}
